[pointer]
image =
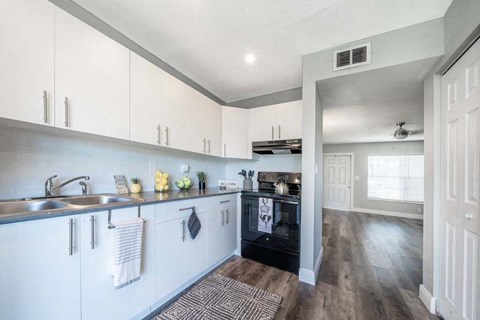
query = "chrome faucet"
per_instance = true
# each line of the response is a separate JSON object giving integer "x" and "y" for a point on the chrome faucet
{"x": 50, "y": 190}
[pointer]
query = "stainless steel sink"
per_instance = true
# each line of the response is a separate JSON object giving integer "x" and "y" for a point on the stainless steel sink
{"x": 15, "y": 207}
{"x": 95, "y": 200}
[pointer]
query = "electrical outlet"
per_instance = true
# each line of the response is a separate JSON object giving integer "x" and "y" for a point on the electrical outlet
{"x": 184, "y": 168}
{"x": 316, "y": 169}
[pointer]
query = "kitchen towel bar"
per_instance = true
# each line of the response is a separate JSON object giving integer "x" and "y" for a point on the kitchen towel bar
{"x": 112, "y": 226}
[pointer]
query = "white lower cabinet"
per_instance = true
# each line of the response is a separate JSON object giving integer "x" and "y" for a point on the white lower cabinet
{"x": 222, "y": 228}
{"x": 100, "y": 300}
{"x": 39, "y": 273}
{"x": 178, "y": 257}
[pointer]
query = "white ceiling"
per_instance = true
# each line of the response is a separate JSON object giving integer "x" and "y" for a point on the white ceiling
{"x": 364, "y": 107}
{"x": 208, "y": 39}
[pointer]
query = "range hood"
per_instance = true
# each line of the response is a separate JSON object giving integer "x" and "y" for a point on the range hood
{"x": 292, "y": 146}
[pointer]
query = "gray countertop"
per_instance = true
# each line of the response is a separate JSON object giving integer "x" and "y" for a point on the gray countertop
{"x": 146, "y": 198}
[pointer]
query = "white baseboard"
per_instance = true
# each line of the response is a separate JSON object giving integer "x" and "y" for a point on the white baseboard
{"x": 310, "y": 276}
{"x": 390, "y": 213}
{"x": 427, "y": 299}
{"x": 336, "y": 209}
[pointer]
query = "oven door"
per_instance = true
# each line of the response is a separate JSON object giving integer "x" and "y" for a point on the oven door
{"x": 285, "y": 227}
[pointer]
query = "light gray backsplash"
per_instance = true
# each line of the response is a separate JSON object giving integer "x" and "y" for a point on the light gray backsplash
{"x": 287, "y": 163}
{"x": 361, "y": 152}
{"x": 28, "y": 157}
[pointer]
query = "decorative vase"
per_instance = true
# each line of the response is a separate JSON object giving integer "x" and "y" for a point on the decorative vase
{"x": 136, "y": 188}
{"x": 247, "y": 184}
{"x": 201, "y": 185}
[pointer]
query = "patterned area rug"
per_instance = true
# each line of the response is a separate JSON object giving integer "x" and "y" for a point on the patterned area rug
{"x": 221, "y": 298}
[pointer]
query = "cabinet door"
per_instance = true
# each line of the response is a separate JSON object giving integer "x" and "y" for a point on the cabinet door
{"x": 208, "y": 124}
{"x": 171, "y": 271}
{"x": 235, "y": 133}
{"x": 39, "y": 277}
{"x": 146, "y": 89}
{"x": 230, "y": 229}
{"x": 215, "y": 245}
{"x": 262, "y": 123}
{"x": 100, "y": 300}
{"x": 27, "y": 60}
{"x": 289, "y": 120}
{"x": 92, "y": 72}
{"x": 196, "y": 249}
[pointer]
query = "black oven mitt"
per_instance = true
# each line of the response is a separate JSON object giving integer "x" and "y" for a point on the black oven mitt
{"x": 194, "y": 224}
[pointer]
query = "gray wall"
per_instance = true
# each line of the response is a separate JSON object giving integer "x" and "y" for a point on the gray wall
{"x": 409, "y": 44}
{"x": 28, "y": 157}
{"x": 461, "y": 24}
{"x": 361, "y": 152}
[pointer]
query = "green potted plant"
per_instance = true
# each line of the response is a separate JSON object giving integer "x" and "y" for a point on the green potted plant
{"x": 136, "y": 187}
{"x": 202, "y": 179}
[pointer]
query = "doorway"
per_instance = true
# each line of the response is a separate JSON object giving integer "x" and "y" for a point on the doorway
{"x": 337, "y": 181}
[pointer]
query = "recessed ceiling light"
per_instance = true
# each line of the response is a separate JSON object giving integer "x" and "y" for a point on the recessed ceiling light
{"x": 249, "y": 58}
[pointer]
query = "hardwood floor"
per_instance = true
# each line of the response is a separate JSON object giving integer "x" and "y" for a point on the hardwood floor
{"x": 372, "y": 268}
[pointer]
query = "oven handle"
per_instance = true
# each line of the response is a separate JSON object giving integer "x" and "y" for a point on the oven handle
{"x": 287, "y": 202}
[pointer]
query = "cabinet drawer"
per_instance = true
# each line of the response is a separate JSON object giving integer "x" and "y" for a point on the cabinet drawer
{"x": 172, "y": 210}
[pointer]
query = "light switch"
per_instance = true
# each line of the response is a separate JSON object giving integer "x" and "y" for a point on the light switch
{"x": 357, "y": 178}
{"x": 184, "y": 167}
{"x": 316, "y": 169}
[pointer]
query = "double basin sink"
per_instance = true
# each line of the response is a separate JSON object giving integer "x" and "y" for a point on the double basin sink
{"x": 62, "y": 203}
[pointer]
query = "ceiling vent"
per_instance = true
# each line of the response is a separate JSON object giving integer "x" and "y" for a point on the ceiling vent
{"x": 351, "y": 57}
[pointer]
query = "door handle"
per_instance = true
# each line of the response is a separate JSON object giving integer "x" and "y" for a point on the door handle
{"x": 468, "y": 216}
{"x": 92, "y": 232}
{"x": 166, "y": 136}
{"x": 226, "y": 212}
{"x": 183, "y": 230}
{"x": 209, "y": 145}
{"x": 45, "y": 106}
{"x": 70, "y": 237}
{"x": 223, "y": 218}
{"x": 204, "y": 145}
{"x": 273, "y": 133}
{"x": 158, "y": 135}
{"x": 279, "y": 128}
{"x": 67, "y": 113}
{"x": 224, "y": 149}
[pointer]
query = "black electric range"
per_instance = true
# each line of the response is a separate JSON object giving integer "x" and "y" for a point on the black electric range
{"x": 271, "y": 221}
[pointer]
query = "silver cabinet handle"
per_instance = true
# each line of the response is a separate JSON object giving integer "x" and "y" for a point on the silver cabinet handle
{"x": 468, "y": 216}
{"x": 166, "y": 136}
{"x": 279, "y": 128}
{"x": 92, "y": 232}
{"x": 273, "y": 132}
{"x": 204, "y": 145}
{"x": 67, "y": 113}
{"x": 223, "y": 218}
{"x": 183, "y": 230}
{"x": 70, "y": 237}
{"x": 224, "y": 149}
{"x": 45, "y": 106}
{"x": 224, "y": 201}
{"x": 158, "y": 135}
{"x": 208, "y": 142}
{"x": 226, "y": 211}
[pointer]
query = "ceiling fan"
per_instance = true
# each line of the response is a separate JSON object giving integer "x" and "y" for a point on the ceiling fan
{"x": 401, "y": 133}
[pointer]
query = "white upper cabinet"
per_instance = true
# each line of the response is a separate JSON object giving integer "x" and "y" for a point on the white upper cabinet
{"x": 289, "y": 120}
{"x": 235, "y": 133}
{"x": 276, "y": 122}
{"x": 27, "y": 60}
{"x": 91, "y": 79}
{"x": 146, "y": 93}
{"x": 206, "y": 119}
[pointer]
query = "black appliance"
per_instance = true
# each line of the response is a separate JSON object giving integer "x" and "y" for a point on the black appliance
{"x": 281, "y": 247}
{"x": 292, "y": 146}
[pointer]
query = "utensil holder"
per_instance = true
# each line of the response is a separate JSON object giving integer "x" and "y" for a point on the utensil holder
{"x": 247, "y": 184}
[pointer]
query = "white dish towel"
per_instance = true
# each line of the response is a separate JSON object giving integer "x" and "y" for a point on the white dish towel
{"x": 127, "y": 252}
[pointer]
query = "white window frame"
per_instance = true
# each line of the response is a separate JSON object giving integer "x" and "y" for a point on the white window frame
{"x": 393, "y": 200}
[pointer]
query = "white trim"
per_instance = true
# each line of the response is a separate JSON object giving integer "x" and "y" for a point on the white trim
{"x": 310, "y": 276}
{"x": 352, "y": 175}
{"x": 390, "y": 213}
{"x": 427, "y": 299}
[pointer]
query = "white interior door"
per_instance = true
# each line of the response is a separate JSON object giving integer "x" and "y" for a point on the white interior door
{"x": 337, "y": 182}
{"x": 460, "y": 188}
